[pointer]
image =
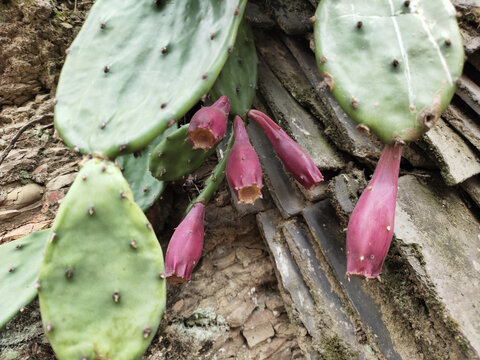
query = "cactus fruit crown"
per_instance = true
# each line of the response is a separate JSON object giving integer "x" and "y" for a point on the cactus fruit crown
{"x": 107, "y": 102}
{"x": 391, "y": 64}
{"x": 20, "y": 262}
{"x": 238, "y": 79}
{"x": 102, "y": 287}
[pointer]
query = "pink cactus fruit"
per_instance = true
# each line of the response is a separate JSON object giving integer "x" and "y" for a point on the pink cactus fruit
{"x": 244, "y": 173}
{"x": 295, "y": 160}
{"x": 209, "y": 124}
{"x": 185, "y": 247}
{"x": 370, "y": 228}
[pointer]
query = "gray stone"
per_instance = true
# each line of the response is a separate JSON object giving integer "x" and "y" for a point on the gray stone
{"x": 435, "y": 220}
{"x": 472, "y": 187}
{"x": 329, "y": 235}
{"x": 292, "y": 16}
{"x": 463, "y": 123}
{"x": 457, "y": 162}
{"x": 258, "y": 17}
{"x": 469, "y": 92}
{"x": 339, "y": 126}
{"x": 61, "y": 181}
{"x": 258, "y": 334}
{"x": 296, "y": 121}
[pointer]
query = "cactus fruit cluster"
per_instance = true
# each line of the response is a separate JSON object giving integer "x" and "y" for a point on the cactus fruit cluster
{"x": 102, "y": 282}
{"x": 391, "y": 64}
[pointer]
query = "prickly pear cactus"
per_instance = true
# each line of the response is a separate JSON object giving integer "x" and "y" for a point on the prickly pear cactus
{"x": 20, "y": 262}
{"x": 238, "y": 79}
{"x": 101, "y": 285}
{"x": 136, "y": 65}
{"x": 145, "y": 188}
{"x": 391, "y": 64}
{"x": 175, "y": 157}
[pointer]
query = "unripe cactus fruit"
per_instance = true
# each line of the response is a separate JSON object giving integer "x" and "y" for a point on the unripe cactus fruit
{"x": 209, "y": 124}
{"x": 370, "y": 228}
{"x": 185, "y": 246}
{"x": 244, "y": 173}
{"x": 295, "y": 160}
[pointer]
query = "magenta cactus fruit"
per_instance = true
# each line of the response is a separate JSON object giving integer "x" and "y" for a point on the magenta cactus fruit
{"x": 295, "y": 160}
{"x": 244, "y": 173}
{"x": 209, "y": 124}
{"x": 370, "y": 228}
{"x": 185, "y": 247}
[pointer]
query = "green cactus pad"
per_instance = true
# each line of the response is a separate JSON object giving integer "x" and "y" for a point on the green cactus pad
{"x": 145, "y": 188}
{"x": 391, "y": 64}
{"x": 175, "y": 157}
{"x": 20, "y": 262}
{"x": 215, "y": 179}
{"x": 102, "y": 292}
{"x": 136, "y": 65}
{"x": 238, "y": 78}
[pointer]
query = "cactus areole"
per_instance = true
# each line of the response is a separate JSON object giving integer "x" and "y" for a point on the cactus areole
{"x": 391, "y": 64}
{"x": 370, "y": 228}
{"x": 295, "y": 160}
{"x": 136, "y": 66}
{"x": 185, "y": 246}
{"x": 244, "y": 173}
{"x": 208, "y": 125}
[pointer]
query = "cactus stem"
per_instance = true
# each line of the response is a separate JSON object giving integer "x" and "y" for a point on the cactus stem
{"x": 102, "y": 126}
{"x": 448, "y": 42}
{"x": 68, "y": 273}
{"x": 12, "y": 269}
{"x": 163, "y": 106}
{"x": 49, "y": 327}
{"x": 359, "y": 25}
{"x": 147, "y": 331}
{"x": 395, "y": 63}
{"x": 164, "y": 50}
{"x": 133, "y": 244}
{"x": 102, "y": 25}
{"x": 212, "y": 36}
{"x": 106, "y": 69}
{"x": 116, "y": 296}
{"x": 204, "y": 76}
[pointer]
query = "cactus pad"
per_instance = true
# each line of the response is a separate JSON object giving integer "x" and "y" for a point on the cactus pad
{"x": 391, "y": 64}
{"x": 20, "y": 264}
{"x": 238, "y": 79}
{"x": 175, "y": 157}
{"x": 102, "y": 287}
{"x": 136, "y": 65}
{"x": 145, "y": 188}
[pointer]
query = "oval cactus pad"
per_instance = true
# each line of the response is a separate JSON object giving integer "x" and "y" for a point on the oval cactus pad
{"x": 391, "y": 64}
{"x": 238, "y": 79}
{"x": 136, "y": 65}
{"x": 20, "y": 262}
{"x": 101, "y": 285}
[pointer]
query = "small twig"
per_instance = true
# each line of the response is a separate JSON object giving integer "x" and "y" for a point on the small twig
{"x": 15, "y": 138}
{"x": 75, "y": 6}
